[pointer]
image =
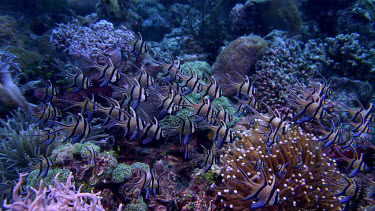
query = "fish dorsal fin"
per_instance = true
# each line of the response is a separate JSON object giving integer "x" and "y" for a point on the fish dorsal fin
{"x": 76, "y": 69}
{"x": 222, "y": 123}
{"x": 110, "y": 100}
{"x": 140, "y": 36}
{"x": 133, "y": 113}
{"x": 270, "y": 110}
{"x": 156, "y": 121}
{"x": 76, "y": 118}
{"x": 193, "y": 104}
{"x": 208, "y": 100}
{"x": 355, "y": 152}
{"x": 148, "y": 119}
{"x": 360, "y": 104}
{"x": 246, "y": 79}
{"x": 170, "y": 58}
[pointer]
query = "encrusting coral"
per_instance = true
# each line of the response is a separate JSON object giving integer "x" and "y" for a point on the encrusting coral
{"x": 239, "y": 56}
{"x": 60, "y": 197}
{"x": 291, "y": 175}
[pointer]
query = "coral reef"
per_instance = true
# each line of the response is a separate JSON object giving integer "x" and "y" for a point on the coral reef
{"x": 139, "y": 94}
{"x": 239, "y": 56}
{"x": 155, "y": 19}
{"x": 33, "y": 179}
{"x": 343, "y": 55}
{"x": 291, "y": 175}
{"x": 269, "y": 14}
{"x": 99, "y": 38}
{"x": 207, "y": 25}
{"x": 286, "y": 59}
{"x": 77, "y": 158}
{"x": 276, "y": 69}
{"x": 62, "y": 196}
{"x": 138, "y": 206}
{"x": 8, "y": 32}
{"x": 121, "y": 173}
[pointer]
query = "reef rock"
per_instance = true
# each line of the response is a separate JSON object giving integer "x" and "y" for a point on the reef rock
{"x": 263, "y": 16}
{"x": 239, "y": 56}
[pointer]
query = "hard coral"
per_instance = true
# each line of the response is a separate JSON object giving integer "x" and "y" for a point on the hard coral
{"x": 99, "y": 38}
{"x": 121, "y": 173}
{"x": 263, "y": 16}
{"x": 60, "y": 197}
{"x": 239, "y": 56}
{"x": 33, "y": 178}
{"x": 77, "y": 158}
{"x": 296, "y": 168}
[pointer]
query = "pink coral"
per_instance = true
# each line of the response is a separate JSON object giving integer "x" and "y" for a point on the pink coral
{"x": 60, "y": 197}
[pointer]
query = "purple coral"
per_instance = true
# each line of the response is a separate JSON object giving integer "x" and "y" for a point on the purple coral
{"x": 60, "y": 197}
{"x": 98, "y": 39}
{"x": 11, "y": 96}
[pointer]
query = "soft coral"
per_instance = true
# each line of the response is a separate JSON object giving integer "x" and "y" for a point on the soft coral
{"x": 11, "y": 96}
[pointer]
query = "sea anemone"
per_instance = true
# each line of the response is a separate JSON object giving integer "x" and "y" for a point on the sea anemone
{"x": 291, "y": 175}
{"x": 17, "y": 145}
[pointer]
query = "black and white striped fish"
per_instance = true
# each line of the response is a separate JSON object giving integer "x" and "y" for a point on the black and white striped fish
{"x": 212, "y": 89}
{"x": 223, "y": 133}
{"x": 139, "y": 46}
{"x": 44, "y": 164}
{"x": 265, "y": 193}
{"x": 80, "y": 81}
{"x": 191, "y": 82}
{"x": 173, "y": 70}
{"x": 152, "y": 131}
{"x": 209, "y": 158}
{"x": 48, "y": 92}
{"x": 108, "y": 72}
{"x": 48, "y": 112}
{"x": 133, "y": 123}
{"x": 78, "y": 129}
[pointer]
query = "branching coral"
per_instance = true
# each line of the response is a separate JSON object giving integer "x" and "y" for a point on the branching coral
{"x": 60, "y": 197}
{"x": 289, "y": 177}
{"x": 98, "y": 38}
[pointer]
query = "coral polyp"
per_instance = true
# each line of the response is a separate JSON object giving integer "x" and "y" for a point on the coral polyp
{"x": 291, "y": 175}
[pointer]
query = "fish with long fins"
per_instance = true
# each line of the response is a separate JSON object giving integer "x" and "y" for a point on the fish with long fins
{"x": 139, "y": 46}
{"x": 80, "y": 81}
{"x": 108, "y": 72}
{"x": 78, "y": 129}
